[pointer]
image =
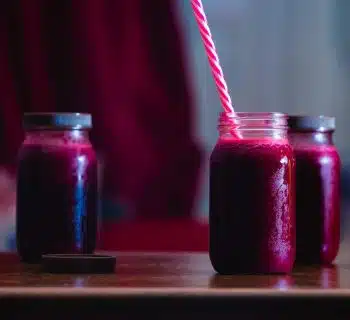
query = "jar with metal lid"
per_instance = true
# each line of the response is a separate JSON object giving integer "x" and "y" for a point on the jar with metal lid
{"x": 317, "y": 188}
{"x": 57, "y": 192}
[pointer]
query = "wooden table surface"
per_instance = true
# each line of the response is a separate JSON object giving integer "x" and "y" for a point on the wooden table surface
{"x": 189, "y": 277}
{"x": 162, "y": 273}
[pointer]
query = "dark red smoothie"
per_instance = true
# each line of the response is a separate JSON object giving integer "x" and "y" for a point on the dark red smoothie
{"x": 252, "y": 206}
{"x": 318, "y": 189}
{"x": 317, "y": 204}
{"x": 56, "y": 196}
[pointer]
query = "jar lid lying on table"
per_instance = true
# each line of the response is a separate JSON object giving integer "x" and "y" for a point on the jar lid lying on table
{"x": 78, "y": 263}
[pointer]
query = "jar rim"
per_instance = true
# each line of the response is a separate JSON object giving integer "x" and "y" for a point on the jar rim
{"x": 257, "y": 120}
{"x": 57, "y": 121}
{"x": 254, "y": 115}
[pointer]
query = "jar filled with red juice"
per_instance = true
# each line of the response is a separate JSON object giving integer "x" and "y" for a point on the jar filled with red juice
{"x": 252, "y": 218}
{"x": 57, "y": 194}
{"x": 318, "y": 188}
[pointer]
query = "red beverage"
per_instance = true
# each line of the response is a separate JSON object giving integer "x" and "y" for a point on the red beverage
{"x": 252, "y": 197}
{"x": 318, "y": 189}
{"x": 56, "y": 188}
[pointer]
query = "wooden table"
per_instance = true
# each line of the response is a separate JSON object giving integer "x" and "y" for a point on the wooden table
{"x": 169, "y": 286}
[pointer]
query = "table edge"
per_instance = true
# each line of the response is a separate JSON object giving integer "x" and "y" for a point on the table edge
{"x": 169, "y": 292}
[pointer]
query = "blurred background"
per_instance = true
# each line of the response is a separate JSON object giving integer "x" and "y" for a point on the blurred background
{"x": 277, "y": 55}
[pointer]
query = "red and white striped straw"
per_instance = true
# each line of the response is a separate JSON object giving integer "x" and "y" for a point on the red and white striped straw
{"x": 213, "y": 58}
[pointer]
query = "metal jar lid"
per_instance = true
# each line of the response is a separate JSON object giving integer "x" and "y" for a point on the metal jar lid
{"x": 59, "y": 121}
{"x": 78, "y": 263}
{"x": 311, "y": 123}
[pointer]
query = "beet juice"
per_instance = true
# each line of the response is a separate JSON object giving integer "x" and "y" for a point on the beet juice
{"x": 57, "y": 196}
{"x": 318, "y": 189}
{"x": 252, "y": 219}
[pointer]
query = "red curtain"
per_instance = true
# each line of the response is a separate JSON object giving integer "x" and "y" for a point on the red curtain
{"x": 122, "y": 61}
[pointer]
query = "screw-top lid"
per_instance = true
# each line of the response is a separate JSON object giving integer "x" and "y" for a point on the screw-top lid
{"x": 51, "y": 121}
{"x": 311, "y": 123}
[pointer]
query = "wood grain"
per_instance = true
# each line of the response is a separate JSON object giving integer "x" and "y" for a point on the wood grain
{"x": 182, "y": 273}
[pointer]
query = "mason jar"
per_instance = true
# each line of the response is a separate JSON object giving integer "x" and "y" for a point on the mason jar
{"x": 57, "y": 198}
{"x": 252, "y": 201}
{"x": 317, "y": 188}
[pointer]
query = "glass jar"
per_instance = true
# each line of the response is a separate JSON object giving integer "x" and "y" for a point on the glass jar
{"x": 317, "y": 188}
{"x": 57, "y": 198}
{"x": 252, "y": 218}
